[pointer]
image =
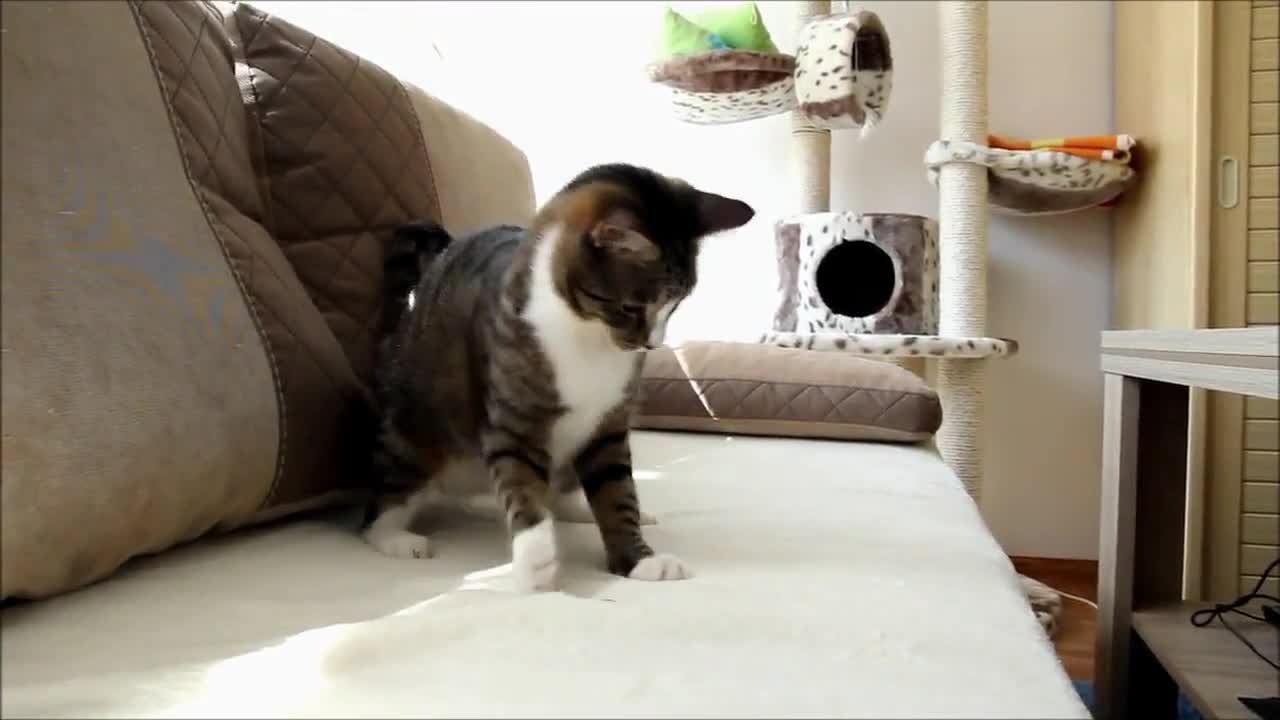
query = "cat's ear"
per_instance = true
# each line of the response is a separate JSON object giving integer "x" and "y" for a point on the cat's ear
{"x": 718, "y": 213}
{"x": 618, "y": 232}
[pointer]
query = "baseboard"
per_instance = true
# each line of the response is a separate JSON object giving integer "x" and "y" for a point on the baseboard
{"x": 1073, "y": 566}
{"x": 1079, "y": 577}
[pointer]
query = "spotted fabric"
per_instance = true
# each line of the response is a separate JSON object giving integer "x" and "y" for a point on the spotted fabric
{"x": 893, "y": 345}
{"x": 727, "y": 86}
{"x": 1036, "y": 182}
{"x": 910, "y": 241}
{"x": 722, "y": 108}
{"x": 844, "y": 71}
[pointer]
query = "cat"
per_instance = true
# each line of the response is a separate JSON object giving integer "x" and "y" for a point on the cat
{"x": 513, "y": 362}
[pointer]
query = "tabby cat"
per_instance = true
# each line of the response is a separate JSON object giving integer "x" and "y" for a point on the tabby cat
{"x": 512, "y": 364}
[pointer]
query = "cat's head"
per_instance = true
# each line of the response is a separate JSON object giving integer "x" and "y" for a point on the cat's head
{"x": 630, "y": 249}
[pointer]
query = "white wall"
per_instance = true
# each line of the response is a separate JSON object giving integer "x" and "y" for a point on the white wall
{"x": 573, "y": 92}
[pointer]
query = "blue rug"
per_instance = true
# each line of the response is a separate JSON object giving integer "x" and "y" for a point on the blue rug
{"x": 1186, "y": 711}
{"x": 1085, "y": 689}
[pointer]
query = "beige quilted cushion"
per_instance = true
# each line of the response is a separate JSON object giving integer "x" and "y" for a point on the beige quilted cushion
{"x": 344, "y": 163}
{"x": 749, "y": 389}
{"x": 347, "y": 153}
{"x": 325, "y": 420}
{"x": 140, "y": 407}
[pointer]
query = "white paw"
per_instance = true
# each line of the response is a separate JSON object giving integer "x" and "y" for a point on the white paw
{"x": 534, "y": 565}
{"x": 399, "y": 543}
{"x": 647, "y": 519}
{"x": 661, "y": 567}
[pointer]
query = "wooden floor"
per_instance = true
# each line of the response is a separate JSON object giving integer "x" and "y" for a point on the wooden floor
{"x": 1076, "y": 626}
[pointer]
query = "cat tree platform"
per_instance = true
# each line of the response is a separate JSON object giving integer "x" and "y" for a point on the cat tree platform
{"x": 895, "y": 346}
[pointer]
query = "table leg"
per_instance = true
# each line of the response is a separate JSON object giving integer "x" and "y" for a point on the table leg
{"x": 1144, "y": 472}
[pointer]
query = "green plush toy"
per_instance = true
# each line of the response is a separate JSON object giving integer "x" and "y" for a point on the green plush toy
{"x": 681, "y": 36}
{"x": 737, "y": 27}
{"x": 740, "y": 26}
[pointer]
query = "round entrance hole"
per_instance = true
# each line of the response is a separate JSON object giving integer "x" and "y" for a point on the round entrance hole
{"x": 855, "y": 279}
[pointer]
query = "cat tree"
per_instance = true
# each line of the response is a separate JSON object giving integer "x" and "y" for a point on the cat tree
{"x": 933, "y": 296}
{"x": 939, "y": 267}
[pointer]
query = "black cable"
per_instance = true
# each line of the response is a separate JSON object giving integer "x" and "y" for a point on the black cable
{"x": 1202, "y": 618}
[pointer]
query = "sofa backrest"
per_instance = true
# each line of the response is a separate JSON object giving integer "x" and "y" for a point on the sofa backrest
{"x": 195, "y": 202}
{"x": 343, "y": 161}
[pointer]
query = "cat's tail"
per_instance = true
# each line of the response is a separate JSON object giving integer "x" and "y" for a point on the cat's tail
{"x": 412, "y": 249}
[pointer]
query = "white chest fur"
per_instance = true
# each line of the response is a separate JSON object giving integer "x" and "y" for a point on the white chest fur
{"x": 591, "y": 373}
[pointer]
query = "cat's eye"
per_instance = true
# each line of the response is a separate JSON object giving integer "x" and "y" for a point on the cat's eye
{"x": 634, "y": 310}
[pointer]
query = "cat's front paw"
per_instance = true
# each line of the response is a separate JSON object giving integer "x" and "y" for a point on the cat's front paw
{"x": 534, "y": 563}
{"x": 660, "y": 567}
{"x": 399, "y": 543}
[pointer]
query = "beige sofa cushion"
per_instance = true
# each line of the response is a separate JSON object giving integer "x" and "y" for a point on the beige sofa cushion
{"x": 166, "y": 371}
{"x": 325, "y": 411}
{"x": 343, "y": 163}
{"x": 489, "y": 178}
{"x": 347, "y": 153}
{"x": 139, "y": 406}
{"x": 749, "y": 389}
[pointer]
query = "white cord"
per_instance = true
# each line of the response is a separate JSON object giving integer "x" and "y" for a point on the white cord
{"x": 1077, "y": 598}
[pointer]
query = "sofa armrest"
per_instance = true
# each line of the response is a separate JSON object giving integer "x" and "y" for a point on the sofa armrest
{"x": 481, "y": 177}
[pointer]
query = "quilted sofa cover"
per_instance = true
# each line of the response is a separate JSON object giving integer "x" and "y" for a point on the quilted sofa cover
{"x": 750, "y": 389}
{"x": 196, "y": 197}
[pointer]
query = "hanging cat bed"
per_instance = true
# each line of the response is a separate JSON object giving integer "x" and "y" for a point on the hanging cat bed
{"x": 722, "y": 66}
{"x": 727, "y": 86}
{"x": 1040, "y": 181}
{"x": 857, "y": 273}
{"x": 844, "y": 70}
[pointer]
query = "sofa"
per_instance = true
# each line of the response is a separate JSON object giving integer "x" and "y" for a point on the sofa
{"x": 196, "y": 199}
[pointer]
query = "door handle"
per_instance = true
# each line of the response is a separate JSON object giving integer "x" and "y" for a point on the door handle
{"x": 1228, "y": 182}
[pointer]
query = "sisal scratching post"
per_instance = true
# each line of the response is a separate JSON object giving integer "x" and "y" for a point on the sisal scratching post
{"x": 811, "y": 156}
{"x": 962, "y": 201}
{"x": 810, "y": 145}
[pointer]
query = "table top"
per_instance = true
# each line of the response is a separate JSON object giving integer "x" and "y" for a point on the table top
{"x": 1236, "y": 360}
{"x": 1211, "y": 666}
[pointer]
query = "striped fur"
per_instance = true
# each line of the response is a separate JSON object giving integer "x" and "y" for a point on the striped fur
{"x": 522, "y": 348}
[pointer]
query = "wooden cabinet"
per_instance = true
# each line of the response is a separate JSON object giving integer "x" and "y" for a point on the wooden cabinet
{"x": 1196, "y": 246}
{"x": 1242, "y": 530}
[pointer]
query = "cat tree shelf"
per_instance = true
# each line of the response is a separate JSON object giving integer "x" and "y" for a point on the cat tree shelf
{"x": 896, "y": 346}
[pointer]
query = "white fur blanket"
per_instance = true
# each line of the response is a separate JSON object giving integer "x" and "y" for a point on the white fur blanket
{"x": 833, "y": 579}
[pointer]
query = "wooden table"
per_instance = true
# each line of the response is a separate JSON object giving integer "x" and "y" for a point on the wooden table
{"x": 1147, "y": 647}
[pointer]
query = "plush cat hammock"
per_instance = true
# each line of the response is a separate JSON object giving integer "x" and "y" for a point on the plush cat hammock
{"x": 840, "y": 77}
{"x": 1036, "y": 182}
{"x": 727, "y": 86}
